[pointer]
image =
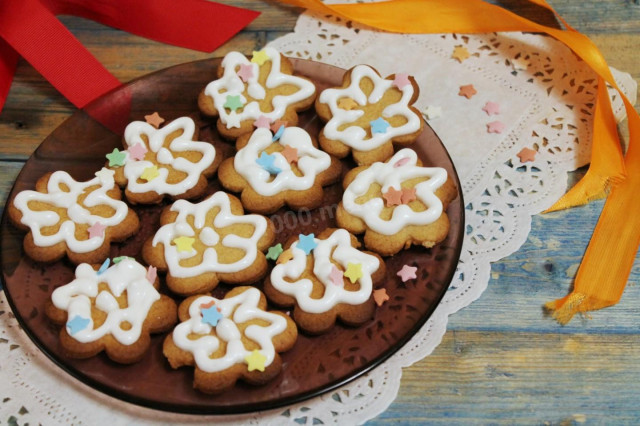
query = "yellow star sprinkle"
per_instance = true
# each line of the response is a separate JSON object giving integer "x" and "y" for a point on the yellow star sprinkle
{"x": 347, "y": 103}
{"x": 353, "y": 272}
{"x": 184, "y": 243}
{"x": 255, "y": 360}
{"x": 460, "y": 53}
{"x": 259, "y": 57}
{"x": 150, "y": 173}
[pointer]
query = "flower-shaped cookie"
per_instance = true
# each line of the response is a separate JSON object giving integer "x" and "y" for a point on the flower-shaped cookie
{"x": 79, "y": 219}
{"x": 230, "y": 339}
{"x": 397, "y": 203}
{"x": 326, "y": 278}
{"x": 368, "y": 114}
{"x": 272, "y": 171}
{"x": 247, "y": 90}
{"x": 163, "y": 162}
{"x": 112, "y": 309}
{"x": 207, "y": 242}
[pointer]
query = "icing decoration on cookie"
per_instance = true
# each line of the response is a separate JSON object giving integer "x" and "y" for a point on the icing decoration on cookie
{"x": 262, "y": 122}
{"x": 96, "y": 230}
{"x": 380, "y": 296}
{"x": 233, "y": 121}
{"x": 338, "y": 128}
{"x": 401, "y": 80}
{"x": 278, "y": 134}
{"x": 125, "y": 277}
{"x": 245, "y": 72}
{"x": 393, "y": 197}
{"x": 139, "y": 132}
{"x": 347, "y": 104}
{"x": 138, "y": 151}
{"x": 63, "y": 193}
{"x": 251, "y": 91}
{"x": 379, "y": 125}
{"x": 266, "y": 162}
{"x": 154, "y": 119}
{"x": 233, "y": 102}
{"x": 401, "y": 162}
{"x": 191, "y": 222}
{"x": 285, "y": 256}
{"x": 495, "y": 127}
{"x": 467, "y": 91}
{"x": 116, "y": 158}
{"x": 255, "y": 360}
{"x": 353, "y": 272}
{"x": 274, "y": 252}
{"x": 77, "y": 324}
{"x": 202, "y": 339}
{"x": 152, "y": 274}
{"x": 310, "y": 161}
{"x": 150, "y": 173}
{"x": 337, "y": 247}
{"x": 388, "y": 176}
{"x": 104, "y": 266}
{"x": 407, "y": 273}
{"x": 307, "y": 243}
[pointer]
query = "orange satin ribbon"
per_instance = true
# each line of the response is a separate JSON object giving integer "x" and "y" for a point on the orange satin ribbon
{"x": 607, "y": 262}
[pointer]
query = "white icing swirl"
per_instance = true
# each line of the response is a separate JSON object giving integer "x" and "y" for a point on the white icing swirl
{"x": 390, "y": 175}
{"x": 63, "y": 192}
{"x": 235, "y": 310}
{"x": 356, "y": 136}
{"x": 126, "y": 275}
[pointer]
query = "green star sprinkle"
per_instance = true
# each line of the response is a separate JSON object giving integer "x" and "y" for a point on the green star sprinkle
{"x": 116, "y": 158}
{"x": 274, "y": 252}
{"x": 120, "y": 259}
{"x": 233, "y": 102}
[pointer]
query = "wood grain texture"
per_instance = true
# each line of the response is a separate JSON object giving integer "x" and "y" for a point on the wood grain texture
{"x": 502, "y": 361}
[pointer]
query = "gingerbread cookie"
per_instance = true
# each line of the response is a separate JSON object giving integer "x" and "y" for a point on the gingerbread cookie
{"x": 76, "y": 219}
{"x": 112, "y": 309}
{"x": 273, "y": 170}
{"x": 326, "y": 278}
{"x": 368, "y": 114}
{"x": 168, "y": 161}
{"x": 200, "y": 244}
{"x": 397, "y": 203}
{"x": 260, "y": 90}
{"x": 230, "y": 339}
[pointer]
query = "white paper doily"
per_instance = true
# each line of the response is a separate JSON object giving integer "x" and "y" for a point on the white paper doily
{"x": 546, "y": 97}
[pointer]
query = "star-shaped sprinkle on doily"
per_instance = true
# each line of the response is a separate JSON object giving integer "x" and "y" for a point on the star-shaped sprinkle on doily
{"x": 116, "y": 158}
{"x": 255, "y": 360}
{"x": 150, "y": 173}
{"x": 306, "y": 243}
{"x": 154, "y": 119}
{"x": 520, "y": 64}
{"x": 274, "y": 252}
{"x": 407, "y": 273}
{"x": 495, "y": 127}
{"x": 491, "y": 108}
{"x": 393, "y": 197}
{"x": 184, "y": 243}
{"x": 233, "y": 102}
{"x": 104, "y": 266}
{"x": 380, "y": 296}
{"x": 211, "y": 315}
{"x": 353, "y": 272}
{"x": 408, "y": 195}
{"x": 259, "y": 57}
{"x": 431, "y": 112}
{"x": 152, "y": 274}
{"x": 245, "y": 72}
{"x": 460, "y": 53}
{"x": 467, "y": 91}
{"x": 262, "y": 122}
{"x": 266, "y": 162}
{"x": 290, "y": 154}
{"x": 336, "y": 276}
{"x": 379, "y": 125}
{"x": 76, "y": 324}
{"x": 137, "y": 151}
{"x": 96, "y": 230}
{"x": 527, "y": 155}
{"x": 401, "y": 80}
{"x": 347, "y": 104}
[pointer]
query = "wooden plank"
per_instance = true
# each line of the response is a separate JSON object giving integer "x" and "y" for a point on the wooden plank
{"x": 8, "y": 172}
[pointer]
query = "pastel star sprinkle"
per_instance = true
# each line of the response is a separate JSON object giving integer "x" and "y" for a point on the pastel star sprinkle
{"x": 266, "y": 162}
{"x": 137, "y": 151}
{"x": 431, "y": 112}
{"x": 255, "y": 360}
{"x": 527, "y": 155}
{"x": 150, "y": 173}
{"x": 211, "y": 315}
{"x": 233, "y": 120}
{"x": 347, "y": 104}
{"x": 408, "y": 195}
{"x": 380, "y": 296}
{"x": 119, "y": 259}
{"x": 407, "y": 273}
{"x": 401, "y": 80}
{"x": 262, "y": 122}
{"x": 233, "y": 102}
{"x": 495, "y": 127}
{"x": 152, "y": 274}
{"x": 491, "y": 108}
{"x": 104, "y": 266}
{"x": 520, "y": 64}
{"x": 245, "y": 72}
{"x": 467, "y": 91}
{"x": 104, "y": 174}
{"x": 184, "y": 243}
{"x": 76, "y": 324}
{"x": 116, "y": 158}
{"x": 393, "y": 197}
{"x": 96, "y": 230}
{"x": 278, "y": 134}
{"x": 379, "y": 125}
{"x": 274, "y": 252}
{"x": 353, "y": 272}
{"x": 336, "y": 276}
{"x": 290, "y": 154}
{"x": 306, "y": 243}
{"x": 460, "y": 53}
{"x": 278, "y": 124}
{"x": 154, "y": 119}
{"x": 259, "y": 57}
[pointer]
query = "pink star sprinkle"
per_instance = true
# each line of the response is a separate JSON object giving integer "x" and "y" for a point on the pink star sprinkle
{"x": 380, "y": 296}
{"x": 96, "y": 230}
{"x": 263, "y": 122}
{"x": 401, "y": 80}
{"x": 336, "y": 276}
{"x": 491, "y": 108}
{"x": 407, "y": 273}
{"x": 401, "y": 162}
{"x": 495, "y": 127}
{"x": 137, "y": 151}
{"x": 152, "y": 274}
{"x": 527, "y": 154}
{"x": 246, "y": 72}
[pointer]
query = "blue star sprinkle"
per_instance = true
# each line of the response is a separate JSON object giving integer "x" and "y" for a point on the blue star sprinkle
{"x": 104, "y": 266}
{"x": 76, "y": 324}
{"x": 266, "y": 162}
{"x": 211, "y": 315}
{"x": 306, "y": 243}
{"x": 278, "y": 134}
{"x": 379, "y": 125}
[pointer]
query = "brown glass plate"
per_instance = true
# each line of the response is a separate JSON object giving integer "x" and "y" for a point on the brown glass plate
{"x": 316, "y": 364}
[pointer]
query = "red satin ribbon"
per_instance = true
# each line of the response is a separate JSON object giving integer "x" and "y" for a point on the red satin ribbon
{"x": 29, "y": 28}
